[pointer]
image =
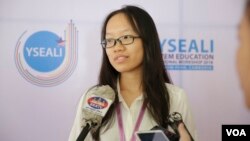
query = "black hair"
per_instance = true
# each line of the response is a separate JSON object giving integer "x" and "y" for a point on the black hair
{"x": 154, "y": 74}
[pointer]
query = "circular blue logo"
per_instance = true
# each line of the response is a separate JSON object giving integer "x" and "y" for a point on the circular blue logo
{"x": 44, "y": 51}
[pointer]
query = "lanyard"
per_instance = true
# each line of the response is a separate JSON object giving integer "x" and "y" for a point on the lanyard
{"x": 137, "y": 125}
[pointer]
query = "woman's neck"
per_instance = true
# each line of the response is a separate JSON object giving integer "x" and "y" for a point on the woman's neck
{"x": 130, "y": 87}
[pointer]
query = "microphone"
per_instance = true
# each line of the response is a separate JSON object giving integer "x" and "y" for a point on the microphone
{"x": 174, "y": 120}
{"x": 97, "y": 102}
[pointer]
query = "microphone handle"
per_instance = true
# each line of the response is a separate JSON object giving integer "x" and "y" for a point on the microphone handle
{"x": 84, "y": 132}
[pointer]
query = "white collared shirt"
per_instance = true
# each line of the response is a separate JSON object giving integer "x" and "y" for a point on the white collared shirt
{"x": 178, "y": 103}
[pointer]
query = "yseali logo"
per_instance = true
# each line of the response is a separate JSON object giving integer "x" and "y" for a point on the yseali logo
{"x": 43, "y": 51}
{"x": 188, "y": 54}
{"x": 46, "y": 59}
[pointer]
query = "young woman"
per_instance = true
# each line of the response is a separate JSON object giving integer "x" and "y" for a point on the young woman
{"x": 243, "y": 54}
{"x": 132, "y": 65}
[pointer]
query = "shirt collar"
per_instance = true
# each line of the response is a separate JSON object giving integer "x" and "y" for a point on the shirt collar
{"x": 120, "y": 96}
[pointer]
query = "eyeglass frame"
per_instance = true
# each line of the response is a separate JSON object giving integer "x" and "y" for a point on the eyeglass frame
{"x": 103, "y": 43}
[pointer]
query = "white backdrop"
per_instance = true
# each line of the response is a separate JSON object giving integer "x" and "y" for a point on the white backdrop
{"x": 46, "y": 113}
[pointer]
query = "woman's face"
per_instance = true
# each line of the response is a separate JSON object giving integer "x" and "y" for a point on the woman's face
{"x": 124, "y": 58}
{"x": 243, "y": 57}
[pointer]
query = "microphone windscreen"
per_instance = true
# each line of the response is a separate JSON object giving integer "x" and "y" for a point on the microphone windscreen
{"x": 97, "y": 102}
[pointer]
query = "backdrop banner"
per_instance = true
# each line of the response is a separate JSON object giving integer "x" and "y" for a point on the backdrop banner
{"x": 51, "y": 54}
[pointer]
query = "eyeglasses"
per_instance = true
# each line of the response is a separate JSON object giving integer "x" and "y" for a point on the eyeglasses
{"x": 124, "y": 40}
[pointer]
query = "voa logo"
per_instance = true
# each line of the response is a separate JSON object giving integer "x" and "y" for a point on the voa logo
{"x": 46, "y": 59}
{"x": 236, "y": 132}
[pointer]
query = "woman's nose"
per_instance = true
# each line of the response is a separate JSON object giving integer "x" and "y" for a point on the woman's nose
{"x": 119, "y": 46}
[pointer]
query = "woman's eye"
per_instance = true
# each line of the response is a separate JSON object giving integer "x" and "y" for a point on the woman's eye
{"x": 109, "y": 41}
{"x": 126, "y": 37}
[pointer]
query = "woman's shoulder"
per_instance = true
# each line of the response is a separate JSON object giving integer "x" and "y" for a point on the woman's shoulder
{"x": 176, "y": 93}
{"x": 173, "y": 89}
{"x": 179, "y": 103}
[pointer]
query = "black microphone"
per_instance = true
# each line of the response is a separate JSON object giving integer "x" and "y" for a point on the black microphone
{"x": 174, "y": 120}
{"x": 97, "y": 102}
